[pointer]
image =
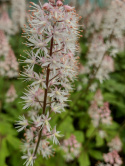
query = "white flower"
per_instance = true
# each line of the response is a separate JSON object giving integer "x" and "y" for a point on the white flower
{"x": 45, "y": 121}
{"x": 25, "y": 147}
{"x": 58, "y": 94}
{"x": 29, "y": 159}
{"x": 31, "y": 59}
{"x": 58, "y": 107}
{"x": 52, "y": 32}
{"x": 45, "y": 149}
{"x": 29, "y": 135}
{"x": 55, "y": 135}
{"x": 32, "y": 113}
{"x": 30, "y": 98}
{"x": 22, "y": 123}
{"x": 37, "y": 120}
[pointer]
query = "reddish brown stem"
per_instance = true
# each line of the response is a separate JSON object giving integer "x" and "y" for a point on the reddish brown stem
{"x": 45, "y": 97}
{"x": 58, "y": 50}
{"x": 53, "y": 77}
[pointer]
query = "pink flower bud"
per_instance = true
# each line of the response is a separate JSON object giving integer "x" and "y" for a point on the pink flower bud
{"x": 68, "y": 8}
{"x": 52, "y": 1}
{"x": 44, "y": 131}
{"x": 59, "y": 3}
{"x": 33, "y": 128}
{"x": 46, "y": 6}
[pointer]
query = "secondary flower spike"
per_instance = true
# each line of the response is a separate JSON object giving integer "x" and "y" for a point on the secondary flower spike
{"x": 52, "y": 35}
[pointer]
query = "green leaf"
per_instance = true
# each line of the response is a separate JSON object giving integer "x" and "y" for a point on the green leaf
{"x": 56, "y": 160}
{"x": 13, "y": 141}
{"x": 79, "y": 136}
{"x": 83, "y": 47}
{"x": 83, "y": 121}
{"x": 66, "y": 126}
{"x": 6, "y": 128}
{"x": 90, "y": 131}
{"x": 3, "y": 152}
{"x": 96, "y": 154}
{"x": 112, "y": 126}
{"x": 99, "y": 141}
{"x": 84, "y": 159}
{"x": 6, "y": 117}
{"x": 14, "y": 159}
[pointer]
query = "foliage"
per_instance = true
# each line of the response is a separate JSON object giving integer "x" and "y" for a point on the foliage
{"x": 75, "y": 120}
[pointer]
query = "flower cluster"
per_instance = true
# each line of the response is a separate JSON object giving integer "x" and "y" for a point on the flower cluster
{"x": 11, "y": 94}
{"x": 52, "y": 34}
{"x": 18, "y": 14}
{"x": 8, "y": 62}
{"x": 102, "y": 63}
{"x": 85, "y": 9}
{"x": 71, "y": 148}
{"x": 114, "y": 19}
{"x": 115, "y": 144}
{"x": 96, "y": 51}
{"x": 112, "y": 158}
{"x": 113, "y": 26}
{"x": 6, "y": 23}
{"x": 107, "y": 67}
{"x": 4, "y": 46}
{"x": 89, "y": 12}
{"x": 9, "y": 66}
{"x": 100, "y": 114}
{"x": 104, "y": 41}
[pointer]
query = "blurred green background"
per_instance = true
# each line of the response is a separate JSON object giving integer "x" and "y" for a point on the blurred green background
{"x": 74, "y": 121}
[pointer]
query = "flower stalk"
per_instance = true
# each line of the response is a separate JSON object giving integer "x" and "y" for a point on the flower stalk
{"x": 52, "y": 33}
{"x": 45, "y": 98}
